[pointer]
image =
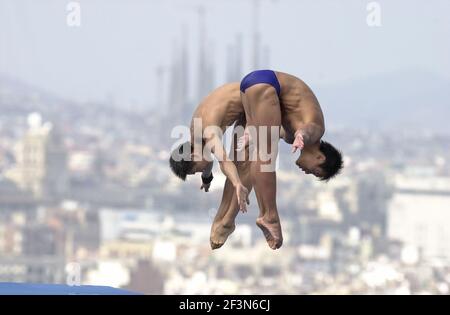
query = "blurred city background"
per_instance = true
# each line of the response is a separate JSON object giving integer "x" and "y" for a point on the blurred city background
{"x": 86, "y": 114}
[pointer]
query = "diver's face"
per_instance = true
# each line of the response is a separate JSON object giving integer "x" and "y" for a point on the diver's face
{"x": 310, "y": 160}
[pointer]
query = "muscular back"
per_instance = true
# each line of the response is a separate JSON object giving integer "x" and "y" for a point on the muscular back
{"x": 299, "y": 105}
{"x": 222, "y": 107}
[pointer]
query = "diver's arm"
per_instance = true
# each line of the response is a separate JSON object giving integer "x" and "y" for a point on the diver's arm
{"x": 286, "y": 136}
{"x": 229, "y": 169}
{"x": 306, "y": 135}
{"x": 207, "y": 171}
{"x": 207, "y": 177}
{"x": 311, "y": 133}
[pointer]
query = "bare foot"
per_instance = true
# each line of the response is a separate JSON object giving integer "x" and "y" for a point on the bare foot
{"x": 220, "y": 233}
{"x": 272, "y": 231}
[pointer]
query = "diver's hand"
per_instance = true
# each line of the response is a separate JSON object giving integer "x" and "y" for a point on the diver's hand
{"x": 243, "y": 141}
{"x": 242, "y": 197}
{"x": 298, "y": 143}
{"x": 206, "y": 182}
{"x": 205, "y": 186}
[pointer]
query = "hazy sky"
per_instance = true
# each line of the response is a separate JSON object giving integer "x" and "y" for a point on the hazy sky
{"x": 120, "y": 43}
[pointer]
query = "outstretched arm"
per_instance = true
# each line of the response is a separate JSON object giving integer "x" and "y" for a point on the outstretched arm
{"x": 214, "y": 144}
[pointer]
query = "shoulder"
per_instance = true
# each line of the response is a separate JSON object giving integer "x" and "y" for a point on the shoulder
{"x": 316, "y": 130}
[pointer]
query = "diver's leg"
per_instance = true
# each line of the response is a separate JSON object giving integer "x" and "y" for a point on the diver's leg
{"x": 262, "y": 109}
{"x": 221, "y": 229}
{"x": 224, "y": 222}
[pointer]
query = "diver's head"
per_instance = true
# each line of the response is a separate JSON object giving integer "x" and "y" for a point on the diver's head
{"x": 322, "y": 160}
{"x": 184, "y": 161}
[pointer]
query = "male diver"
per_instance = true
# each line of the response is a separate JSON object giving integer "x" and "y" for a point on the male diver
{"x": 268, "y": 99}
{"x": 217, "y": 111}
{"x": 273, "y": 100}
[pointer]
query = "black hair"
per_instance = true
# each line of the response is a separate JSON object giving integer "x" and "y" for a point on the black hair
{"x": 333, "y": 161}
{"x": 180, "y": 160}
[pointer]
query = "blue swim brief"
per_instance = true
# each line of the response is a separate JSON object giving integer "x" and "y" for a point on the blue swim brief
{"x": 261, "y": 76}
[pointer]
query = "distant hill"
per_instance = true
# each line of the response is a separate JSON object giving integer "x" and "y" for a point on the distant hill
{"x": 17, "y": 96}
{"x": 405, "y": 99}
{"x": 15, "y": 86}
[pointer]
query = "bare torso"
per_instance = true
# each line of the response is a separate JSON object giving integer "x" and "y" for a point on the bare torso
{"x": 299, "y": 105}
{"x": 221, "y": 108}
